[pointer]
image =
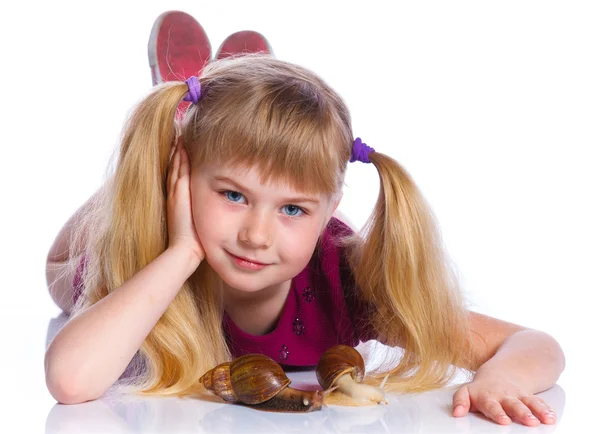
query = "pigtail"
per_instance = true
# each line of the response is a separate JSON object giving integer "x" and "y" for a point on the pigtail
{"x": 187, "y": 340}
{"x": 139, "y": 189}
{"x": 404, "y": 276}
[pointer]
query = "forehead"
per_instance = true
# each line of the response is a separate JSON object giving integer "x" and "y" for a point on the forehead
{"x": 251, "y": 180}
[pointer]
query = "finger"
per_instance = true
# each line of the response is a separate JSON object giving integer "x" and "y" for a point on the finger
{"x": 184, "y": 167}
{"x": 174, "y": 174}
{"x": 461, "y": 402}
{"x": 173, "y": 147}
{"x": 519, "y": 412}
{"x": 540, "y": 409}
{"x": 494, "y": 411}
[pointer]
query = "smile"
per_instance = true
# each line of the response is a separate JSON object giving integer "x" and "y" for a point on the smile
{"x": 246, "y": 264}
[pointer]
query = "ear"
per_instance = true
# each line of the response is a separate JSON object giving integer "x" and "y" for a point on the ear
{"x": 334, "y": 206}
{"x": 341, "y": 216}
{"x": 337, "y": 203}
{"x": 330, "y": 211}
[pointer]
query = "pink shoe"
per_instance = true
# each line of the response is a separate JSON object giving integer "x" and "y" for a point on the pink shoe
{"x": 178, "y": 47}
{"x": 246, "y": 41}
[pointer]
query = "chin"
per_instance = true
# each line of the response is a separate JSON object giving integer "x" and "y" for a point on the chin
{"x": 250, "y": 283}
{"x": 238, "y": 279}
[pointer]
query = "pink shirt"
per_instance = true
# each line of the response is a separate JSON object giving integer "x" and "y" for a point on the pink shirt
{"x": 321, "y": 310}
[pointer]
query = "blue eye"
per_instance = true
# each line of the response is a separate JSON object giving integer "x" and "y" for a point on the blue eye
{"x": 237, "y": 197}
{"x": 294, "y": 210}
{"x": 233, "y": 196}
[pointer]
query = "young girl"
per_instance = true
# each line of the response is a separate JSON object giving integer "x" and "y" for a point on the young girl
{"x": 214, "y": 237}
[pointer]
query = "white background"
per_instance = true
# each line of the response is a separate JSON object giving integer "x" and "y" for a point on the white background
{"x": 492, "y": 107}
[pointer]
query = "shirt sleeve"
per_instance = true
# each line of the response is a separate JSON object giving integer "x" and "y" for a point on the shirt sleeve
{"x": 359, "y": 310}
{"x": 78, "y": 279}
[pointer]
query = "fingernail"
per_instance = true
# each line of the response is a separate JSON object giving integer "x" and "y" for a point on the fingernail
{"x": 531, "y": 416}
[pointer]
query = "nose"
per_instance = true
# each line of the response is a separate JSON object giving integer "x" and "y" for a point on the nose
{"x": 256, "y": 231}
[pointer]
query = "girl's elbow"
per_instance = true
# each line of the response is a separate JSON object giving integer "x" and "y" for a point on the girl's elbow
{"x": 63, "y": 391}
{"x": 65, "y": 388}
{"x": 64, "y": 395}
{"x": 559, "y": 354}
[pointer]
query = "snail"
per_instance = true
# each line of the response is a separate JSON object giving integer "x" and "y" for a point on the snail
{"x": 343, "y": 367}
{"x": 259, "y": 381}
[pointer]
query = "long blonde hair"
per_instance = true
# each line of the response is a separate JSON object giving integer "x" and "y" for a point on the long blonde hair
{"x": 266, "y": 113}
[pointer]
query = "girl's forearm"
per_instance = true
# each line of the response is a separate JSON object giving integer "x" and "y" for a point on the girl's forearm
{"x": 533, "y": 358}
{"x": 93, "y": 349}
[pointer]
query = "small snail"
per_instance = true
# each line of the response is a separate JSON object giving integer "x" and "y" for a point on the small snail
{"x": 259, "y": 381}
{"x": 343, "y": 367}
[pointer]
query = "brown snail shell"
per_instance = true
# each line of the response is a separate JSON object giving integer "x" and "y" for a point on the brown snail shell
{"x": 218, "y": 381}
{"x": 256, "y": 378}
{"x": 337, "y": 361}
{"x": 341, "y": 370}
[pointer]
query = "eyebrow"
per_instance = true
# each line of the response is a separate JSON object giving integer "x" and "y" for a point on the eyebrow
{"x": 289, "y": 199}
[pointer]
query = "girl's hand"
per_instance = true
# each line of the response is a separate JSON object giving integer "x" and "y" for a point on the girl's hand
{"x": 501, "y": 399}
{"x": 180, "y": 223}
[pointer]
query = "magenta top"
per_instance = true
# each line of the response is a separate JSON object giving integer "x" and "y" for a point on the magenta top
{"x": 322, "y": 309}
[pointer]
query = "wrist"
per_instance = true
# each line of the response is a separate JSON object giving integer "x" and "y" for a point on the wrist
{"x": 189, "y": 257}
{"x": 531, "y": 359}
{"x": 505, "y": 373}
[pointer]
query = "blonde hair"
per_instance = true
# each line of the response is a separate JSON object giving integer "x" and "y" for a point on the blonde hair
{"x": 266, "y": 113}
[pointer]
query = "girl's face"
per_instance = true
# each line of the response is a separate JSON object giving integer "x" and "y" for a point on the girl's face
{"x": 273, "y": 227}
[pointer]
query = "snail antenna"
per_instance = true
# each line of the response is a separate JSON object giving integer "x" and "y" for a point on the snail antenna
{"x": 328, "y": 391}
{"x": 384, "y": 381}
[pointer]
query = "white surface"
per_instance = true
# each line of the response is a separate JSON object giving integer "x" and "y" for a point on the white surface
{"x": 493, "y": 108}
{"x": 423, "y": 413}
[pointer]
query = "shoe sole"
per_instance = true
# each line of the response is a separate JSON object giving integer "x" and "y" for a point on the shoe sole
{"x": 192, "y": 46}
{"x": 244, "y": 42}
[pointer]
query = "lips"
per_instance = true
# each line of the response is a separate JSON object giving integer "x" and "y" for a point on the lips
{"x": 247, "y": 259}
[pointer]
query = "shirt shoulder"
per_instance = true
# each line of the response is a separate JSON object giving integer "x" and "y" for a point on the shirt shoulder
{"x": 333, "y": 260}
{"x": 338, "y": 229}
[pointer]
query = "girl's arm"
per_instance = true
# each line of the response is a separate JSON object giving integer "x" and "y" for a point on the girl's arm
{"x": 532, "y": 357}
{"x": 93, "y": 349}
{"x": 513, "y": 364}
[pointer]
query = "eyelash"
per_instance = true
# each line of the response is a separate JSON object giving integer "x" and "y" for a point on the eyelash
{"x": 303, "y": 211}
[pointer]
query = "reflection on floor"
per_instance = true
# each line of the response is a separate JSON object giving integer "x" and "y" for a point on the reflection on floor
{"x": 422, "y": 413}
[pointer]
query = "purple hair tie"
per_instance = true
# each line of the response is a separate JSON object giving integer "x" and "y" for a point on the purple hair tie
{"x": 194, "y": 90}
{"x": 360, "y": 151}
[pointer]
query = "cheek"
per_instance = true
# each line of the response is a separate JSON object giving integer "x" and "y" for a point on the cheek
{"x": 298, "y": 245}
{"x": 201, "y": 219}
{"x": 205, "y": 220}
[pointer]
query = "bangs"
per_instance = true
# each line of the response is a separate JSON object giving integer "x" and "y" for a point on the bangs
{"x": 286, "y": 130}
{"x": 296, "y": 155}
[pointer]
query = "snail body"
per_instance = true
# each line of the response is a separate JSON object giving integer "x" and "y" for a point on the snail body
{"x": 259, "y": 381}
{"x": 343, "y": 367}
